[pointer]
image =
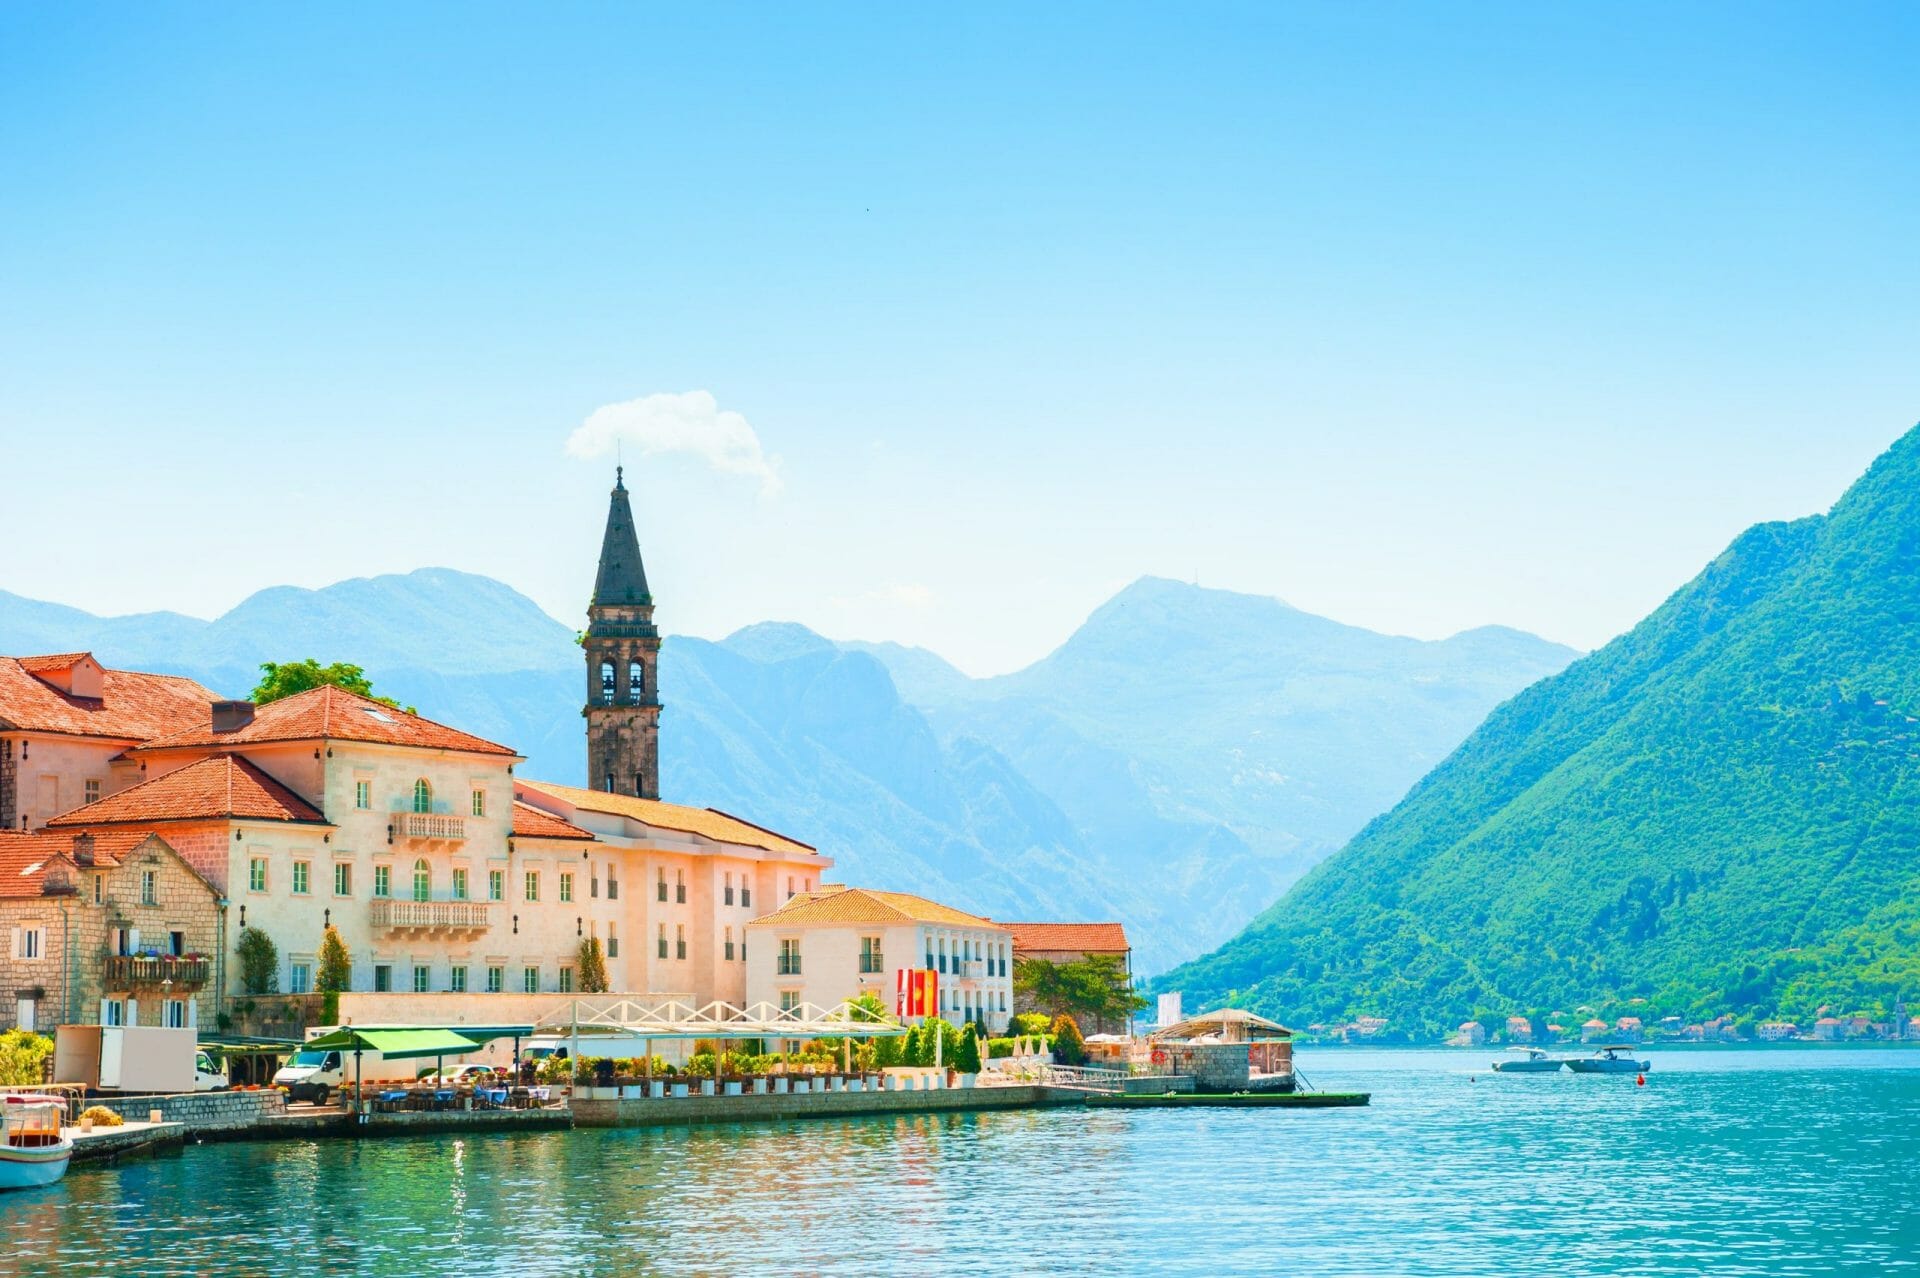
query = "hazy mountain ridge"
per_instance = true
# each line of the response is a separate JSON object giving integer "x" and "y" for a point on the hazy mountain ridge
{"x": 1082, "y": 787}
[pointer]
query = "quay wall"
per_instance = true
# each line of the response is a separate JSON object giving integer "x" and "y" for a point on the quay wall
{"x": 200, "y": 1111}
{"x": 110, "y": 1144}
{"x": 699, "y": 1110}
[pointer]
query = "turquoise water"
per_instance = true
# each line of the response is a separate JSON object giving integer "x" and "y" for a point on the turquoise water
{"x": 1729, "y": 1161}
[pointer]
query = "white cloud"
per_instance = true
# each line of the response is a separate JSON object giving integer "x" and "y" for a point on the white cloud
{"x": 691, "y": 422}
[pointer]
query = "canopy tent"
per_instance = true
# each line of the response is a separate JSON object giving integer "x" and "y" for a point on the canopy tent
{"x": 393, "y": 1045}
{"x": 1226, "y": 1025}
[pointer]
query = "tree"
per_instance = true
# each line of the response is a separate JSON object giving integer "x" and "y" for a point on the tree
{"x": 335, "y": 975}
{"x": 23, "y": 1056}
{"x": 259, "y": 962}
{"x": 1068, "y": 1047}
{"x": 966, "y": 1053}
{"x": 284, "y": 678}
{"x": 593, "y": 967}
{"x": 1094, "y": 988}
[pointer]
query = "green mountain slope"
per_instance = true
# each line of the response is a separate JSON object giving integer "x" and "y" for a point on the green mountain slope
{"x": 1717, "y": 812}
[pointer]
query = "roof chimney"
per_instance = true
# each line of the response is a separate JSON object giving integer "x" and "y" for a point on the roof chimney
{"x": 83, "y": 850}
{"x": 231, "y": 716}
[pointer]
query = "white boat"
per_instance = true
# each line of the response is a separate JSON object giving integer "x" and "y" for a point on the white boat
{"x": 1529, "y": 1060}
{"x": 1608, "y": 1060}
{"x": 33, "y": 1152}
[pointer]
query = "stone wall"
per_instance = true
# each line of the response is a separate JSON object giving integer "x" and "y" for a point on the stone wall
{"x": 205, "y": 1112}
{"x": 1214, "y": 1067}
{"x": 696, "y": 1110}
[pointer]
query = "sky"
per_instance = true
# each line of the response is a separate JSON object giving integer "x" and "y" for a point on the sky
{"x": 941, "y": 325}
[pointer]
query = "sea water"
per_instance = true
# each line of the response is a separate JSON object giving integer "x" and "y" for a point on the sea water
{"x": 1728, "y": 1161}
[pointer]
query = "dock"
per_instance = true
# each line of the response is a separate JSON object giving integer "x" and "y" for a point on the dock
{"x": 1234, "y": 1100}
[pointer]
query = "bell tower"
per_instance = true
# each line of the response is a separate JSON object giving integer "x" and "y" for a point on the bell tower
{"x": 623, "y": 656}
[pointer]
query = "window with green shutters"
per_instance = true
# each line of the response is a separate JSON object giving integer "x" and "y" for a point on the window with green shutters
{"x": 459, "y": 884}
{"x": 302, "y": 873}
{"x": 257, "y": 874}
{"x": 383, "y": 880}
{"x": 531, "y": 980}
{"x": 496, "y": 885}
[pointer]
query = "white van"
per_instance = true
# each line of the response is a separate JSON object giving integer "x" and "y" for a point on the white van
{"x": 315, "y": 1075}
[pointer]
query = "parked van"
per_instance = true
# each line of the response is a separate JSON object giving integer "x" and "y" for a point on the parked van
{"x": 315, "y": 1075}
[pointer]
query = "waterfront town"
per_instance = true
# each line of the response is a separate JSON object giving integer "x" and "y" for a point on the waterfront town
{"x": 328, "y": 870}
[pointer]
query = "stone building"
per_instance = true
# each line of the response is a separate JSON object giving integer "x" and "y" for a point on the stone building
{"x": 1064, "y": 943}
{"x": 114, "y": 928}
{"x": 623, "y": 653}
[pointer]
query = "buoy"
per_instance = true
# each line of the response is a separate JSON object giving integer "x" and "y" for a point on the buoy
{"x": 1639, "y": 1080}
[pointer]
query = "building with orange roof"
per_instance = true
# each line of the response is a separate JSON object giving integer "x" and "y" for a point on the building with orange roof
{"x": 114, "y": 928}
{"x": 66, "y": 722}
{"x": 840, "y": 942}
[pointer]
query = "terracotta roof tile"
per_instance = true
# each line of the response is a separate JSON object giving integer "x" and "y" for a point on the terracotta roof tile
{"x": 331, "y": 714}
{"x": 24, "y": 858}
{"x": 220, "y": 788}
{"x": 839, "y": 904}
{"x": 530, "y": 822}
{"x": 1084, "y": 938}
{"x": 132, "y": 706}
{"x": 707, "y": 822}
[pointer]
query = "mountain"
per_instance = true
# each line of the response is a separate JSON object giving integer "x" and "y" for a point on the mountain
{"x": 1178, "y": 761}
{"x": 1213, "y": 745}
{"x": 1716, "y": 813}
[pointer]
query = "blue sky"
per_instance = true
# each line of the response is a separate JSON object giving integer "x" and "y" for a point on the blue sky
{"x": 1420, "y": 317}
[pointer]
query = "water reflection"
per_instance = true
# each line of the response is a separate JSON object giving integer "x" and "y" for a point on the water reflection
{"x": 1725, "y": 1162}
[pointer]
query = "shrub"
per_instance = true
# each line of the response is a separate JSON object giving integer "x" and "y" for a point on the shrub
{"x": 1068, "y": 1047}
{"x": 966, "y": 1054}
{"x": 335, "y": 975}
{"x": 23, "y": 1056}
{"x": 101, "y": 1116}
{"x": 1028, "y": 1023}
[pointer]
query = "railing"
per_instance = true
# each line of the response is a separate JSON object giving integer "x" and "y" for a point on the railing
{"x": 973, "y": 969}
{"x": 127, "y": 971}
{"x": 872, "y": 964}
{"x": 787, "y": 965}
{"x": 431, "y": 825}
{"x": 431, "y": 916}
{"x": 1086, "y": 1077}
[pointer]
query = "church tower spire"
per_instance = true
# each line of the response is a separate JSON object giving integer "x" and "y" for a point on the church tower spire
{"x": 623, "y": 655}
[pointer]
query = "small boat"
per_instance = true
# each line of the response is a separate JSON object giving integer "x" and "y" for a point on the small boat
{"x": 1608, "y": 1060}
{"x": 1530, "y": 1061}
{"x": 33, "y": 1152}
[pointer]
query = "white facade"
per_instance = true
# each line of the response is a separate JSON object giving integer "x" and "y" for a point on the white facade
{"x": 795, "y": 959}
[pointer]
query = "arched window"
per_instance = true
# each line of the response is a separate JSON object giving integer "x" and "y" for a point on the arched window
{"x": 422, "y": 881}
{"x": 636, "y": 682}
{"x": 606, "y": 683}
{"x": 422, "y": 796}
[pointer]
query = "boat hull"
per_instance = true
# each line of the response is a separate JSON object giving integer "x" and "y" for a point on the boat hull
{"x": 1620, "y": 1066}
{"x": 30, "y": 1168}
{"x": 1528, "y": 1067}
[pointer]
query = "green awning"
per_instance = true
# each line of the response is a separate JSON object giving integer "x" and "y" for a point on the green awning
{"x": 394, "y": 1044}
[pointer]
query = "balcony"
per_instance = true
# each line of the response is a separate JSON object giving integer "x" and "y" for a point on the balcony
{"x": 425, "y": 917}
{"x": 971, "y": 969}
{"x": 135, "y": 971}
{"x": 430, "y": 825}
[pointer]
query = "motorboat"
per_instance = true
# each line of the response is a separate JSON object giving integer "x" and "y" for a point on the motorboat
{"x": 33, "y": 1150}
{"x": 1529, "y": 1060}
{"x": 1608, "y": 1059}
